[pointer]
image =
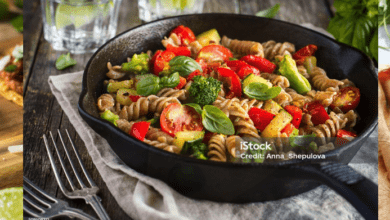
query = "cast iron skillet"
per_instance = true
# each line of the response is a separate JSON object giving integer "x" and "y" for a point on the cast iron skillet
{"x": 241, "y": 183}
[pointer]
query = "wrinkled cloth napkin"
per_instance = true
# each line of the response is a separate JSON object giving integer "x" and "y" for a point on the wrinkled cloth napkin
{"x": 143, "y": 197}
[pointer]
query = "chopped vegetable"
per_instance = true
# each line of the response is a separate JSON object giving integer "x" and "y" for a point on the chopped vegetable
{"x": 304, "y": 52}
{"x": 346, "y": 99}
{"x": 296, "y": 113}
{"x": 208, "y": 37}
{"x": 260, "y": 63}
{"x": 344, "y": 137}
{"x": 161, "y": 60}
{"x": 204, "y": 91}
{"x": 246, "y": 70}
{"x": 260, "y": 117}
{"x": 138, "y": 64}
{"x": 187, "y": 136}
{"x": 184, "y": 65}
{"x": 230, "y": 80}
{"x": 272, "y": 107}
{"x": 195, "y": 73}
{"x": 65, "y": 61}
{"x": 185, "y": 35}
{"x": 110, "y": 116}
{"x": 277, "y": 124}
{"x": 235, "y": 65}
{"x": 215, "y": 53}
{"x": 317, "y": 112}
{"x": 195, "y": 149}
{"x": 179, "y": 51}
{"x": 123, "y": 96}
{"x": 251, "y": 78}
{"x": 288, "y": 129}
{"x": 310, "y": 63}
{"x": 182, "y": 83}
{"x": 115, "y": 86}
{"x": 288, "y": 68}
{"x": 139, "y": 130}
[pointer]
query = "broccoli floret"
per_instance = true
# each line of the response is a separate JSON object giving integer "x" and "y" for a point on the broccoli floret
{"x": 204, "y": 91}
{"x": 109, "y": 116}
{"x": 195, "y": 149}
{"x": 139, "y": 64}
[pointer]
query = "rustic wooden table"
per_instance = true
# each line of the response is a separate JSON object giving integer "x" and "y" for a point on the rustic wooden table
{"x": 42, "y": 112}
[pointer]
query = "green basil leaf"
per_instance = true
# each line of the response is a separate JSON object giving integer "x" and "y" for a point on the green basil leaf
{"x": 170, "y": 81}
{"x": 260, "y": 91}
{"x": 65, "y": 61}
{"x": 10, "y": 68}
{"x": 215, "y": 120}
{"x": 374, "y": 45}
{"x": 17, "y": 23}
{"x": 362, "y": 34}
{"x": 270, "y": 12}
{"x": 184, "y": 65}
{"x": 148, "y": 86}
{"x": 196, "y": 107}
{"x": 348, "y": 8}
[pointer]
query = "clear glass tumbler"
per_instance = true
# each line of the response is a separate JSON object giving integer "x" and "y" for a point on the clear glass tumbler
{"x": 79, "y": 26}
{"x": 154, "y": 9}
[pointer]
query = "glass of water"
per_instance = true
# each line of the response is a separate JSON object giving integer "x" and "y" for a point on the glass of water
{"x": 79, "y": 26}
{"x": 154, "y": 9}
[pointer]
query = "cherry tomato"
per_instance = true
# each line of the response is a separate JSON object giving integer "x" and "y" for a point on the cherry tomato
{"x": 176, "y": 117}
{"x": 260, "y": 63}
{"x": 344, "y": 137}
{"x": 288, "y": 129}
{"x": 134, "y": 98}
{"x": 213, "y": 53}
{"x": 346, "y": 99}
{"x": 304, "y": 52}
{"x": 296, "y": 113}
{"x": 193, "y": 74}
{"x": 182, "y": 83}
{"x": 261, "y": 118}
{"x": 139, "y": 130}
{"x": 185, "y": 34}
{"x": 161, "y": 62}
{"x": 317, "y": 112}
{"x": 231, "y": 80}
{"x": 179, "y": 51}
{"x": 153, "y": 60}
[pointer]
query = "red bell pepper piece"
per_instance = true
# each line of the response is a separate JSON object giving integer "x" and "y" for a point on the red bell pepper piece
{"x": 288, "y": 129}
{"x": 202, "y": 64}
{"x": 207, "y": 137}
{"x": 235, "y": 65}
{"x": 179, "y": 51}
{"x": 230, "y": 78}
{"x": 134, "y": 98}
{"x": 317, "y": 112}
{"x": 153, "y": 60}
{"x": 185, "y": 34}
{"x": 260, "y": 63}
{"x": 344, "y": 137}
{"x": 193, "y": 74}
{"x": 212, "y": 53}
{"x": 246, "y": 70}
{"x": 182, "y": 83}
{"x": 139, "y": 130}
{"x": 161, "y": 62}
{"x": 261, "y": 118}
{"x": 304, "y": 52}
{"x": 296, "y": 113}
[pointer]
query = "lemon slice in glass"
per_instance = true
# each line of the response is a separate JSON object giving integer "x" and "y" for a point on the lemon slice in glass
{"x": 11, "y": 203}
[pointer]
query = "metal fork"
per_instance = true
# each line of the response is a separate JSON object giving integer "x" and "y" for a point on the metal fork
{"x": 86, "y": 193}
{"x": 48, "y": 206}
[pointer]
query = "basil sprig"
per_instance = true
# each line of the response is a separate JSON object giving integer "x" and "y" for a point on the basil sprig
{"x": 65, "y": 61}
{"x": 260, "y": 91}
{"x": 213, "y": 119}
{"x": 153, "y": 84}
{"x": 10, "y": 68}
{"x": 184, "y": 65}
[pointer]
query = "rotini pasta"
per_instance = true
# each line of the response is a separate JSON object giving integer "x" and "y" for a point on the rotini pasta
{"x": 243, "y": 47}
{"x": 272, "y": 49}
{"x": 217, "y": 148}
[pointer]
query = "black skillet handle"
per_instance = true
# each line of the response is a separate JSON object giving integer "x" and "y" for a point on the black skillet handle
{"x": 361, "y": 192}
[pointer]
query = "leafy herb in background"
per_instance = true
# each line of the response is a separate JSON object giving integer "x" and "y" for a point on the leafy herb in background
{"x": 17, "y": 23}
{"x": 384, "y": 18}
{"x": 270, "y": 12}
{"x": 65, "y": 61}
{"x": 356, "y": 24}
{"x": 10, "y": 68}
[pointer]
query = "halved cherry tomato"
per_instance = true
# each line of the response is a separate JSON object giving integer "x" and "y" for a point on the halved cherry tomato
{"x": 182, "y": 83}
{"x": 346, "y": 99}
{"x": 260, "y": 63}
{"x": 139, "y": 130}
{"x": 213, "y": 53}
{"x": 344, "y": 137}
{"x": 185, "y": 34}
{"x": 261, "y": 118}
{"x": 193, "y": 74}
{"x": 179, "y": 51}
{"x": 317, "y": 112}
{"x": 176, "y": 117}
{"x": 246, "y": 70}
{"x": 161, "y": 62}
{"x": 288, "y": 129}
{"x": 304, "y": 52}
{"x": 231, "y": 80}
{"x": 296, "y": 113}
{"x": 134, "y": 98}
{"x": 202, "y": 64}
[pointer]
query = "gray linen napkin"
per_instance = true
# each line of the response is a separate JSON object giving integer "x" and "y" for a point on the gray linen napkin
{"x": 142, "y": 197}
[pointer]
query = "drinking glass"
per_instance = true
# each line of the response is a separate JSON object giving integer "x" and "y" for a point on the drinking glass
{"x": 154, "y": 9}
{"x": 79, "y": 26}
